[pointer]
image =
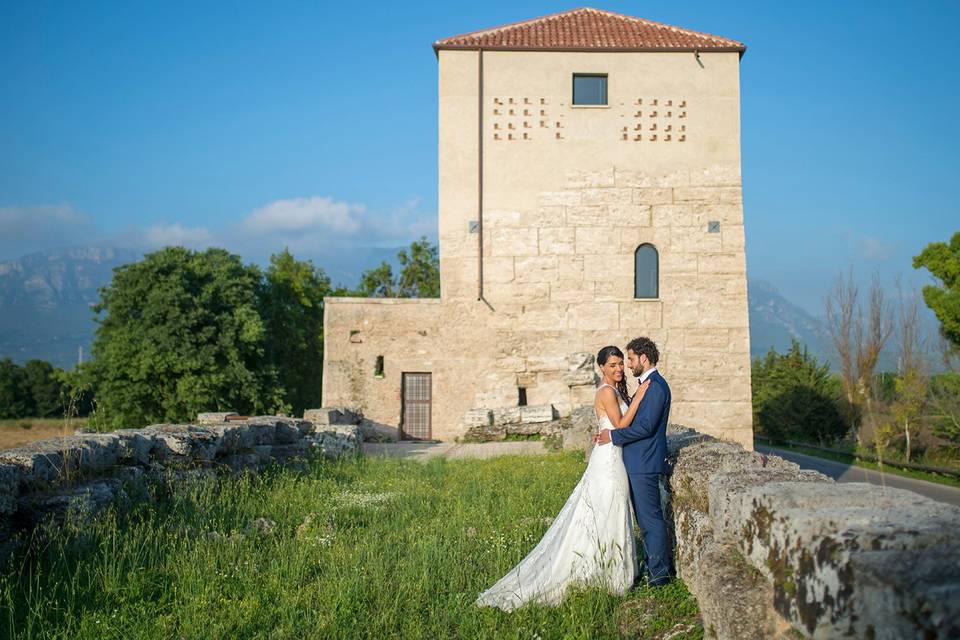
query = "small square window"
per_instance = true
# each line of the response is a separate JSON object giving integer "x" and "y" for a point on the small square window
{"x": 590, "y": 88}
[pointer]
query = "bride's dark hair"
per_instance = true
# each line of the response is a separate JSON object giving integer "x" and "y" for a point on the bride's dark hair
{"x": 602, "y": 356}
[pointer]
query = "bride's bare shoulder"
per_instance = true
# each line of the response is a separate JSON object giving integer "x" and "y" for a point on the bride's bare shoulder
{"x": 606, "y": 392}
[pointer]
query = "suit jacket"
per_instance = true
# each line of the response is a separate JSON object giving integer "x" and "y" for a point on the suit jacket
{"x": 644, "y": 442}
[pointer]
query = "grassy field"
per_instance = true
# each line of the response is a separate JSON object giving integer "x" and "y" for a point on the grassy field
{"x": 14, "y": 433}
{"x": 362, "y": 548}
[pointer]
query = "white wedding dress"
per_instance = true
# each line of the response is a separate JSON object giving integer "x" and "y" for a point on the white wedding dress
{"x": 590, "y": 542}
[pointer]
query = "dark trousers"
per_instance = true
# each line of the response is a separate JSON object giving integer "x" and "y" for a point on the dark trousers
{"x": 645, "y": 494}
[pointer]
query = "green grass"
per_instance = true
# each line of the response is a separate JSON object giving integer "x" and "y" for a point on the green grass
{"x": 362, "y": 548}
{"x": 865, "y": 464}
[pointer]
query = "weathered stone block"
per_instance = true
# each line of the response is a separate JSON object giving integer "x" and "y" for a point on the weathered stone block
{"x": 536, "y": 413}
{"x": 477, "y": 418}
{"x": 506, "y": 415}
{"x": 607, "y": 195}
{"x": 500, "y": 218}
{"x": 520, "y": 241}
{"x": 697, "y": 194}
{"x": 323, "y": 416}
{"x": 803, "y": 535}
{"x": 556, "y": 240}
{"x": 590, "y": 241}
{"x": 590, "y": 179}
{"x": 586, "y": 215}
{"x": 214, "y": 417}
{"x": 536, "y": 269}
{"x": 710, "y": 263}
{"x": 628, "y": 215}
{"x": 679, "y": 178}
{"x": 651, "y": 196}
{"x": 592, "y": 315}
{"x": 907, "y": 594}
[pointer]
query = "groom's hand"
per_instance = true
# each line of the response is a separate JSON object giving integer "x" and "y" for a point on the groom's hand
{"x": 603, "y": 437}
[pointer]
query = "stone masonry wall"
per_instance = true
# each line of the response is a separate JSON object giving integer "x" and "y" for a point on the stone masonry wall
{"x": 85, "y": 473}
{"x": 559, "y": 283}
{"x": 770, "y": 551}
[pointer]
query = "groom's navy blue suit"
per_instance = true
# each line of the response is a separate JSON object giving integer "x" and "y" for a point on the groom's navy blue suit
{"x": 644, "y": 445}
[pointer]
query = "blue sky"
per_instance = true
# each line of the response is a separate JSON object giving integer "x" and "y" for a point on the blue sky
{"x": 139, "y": 124}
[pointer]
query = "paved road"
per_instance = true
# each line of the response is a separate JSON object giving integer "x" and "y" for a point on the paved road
{"x": 848, "y": 473}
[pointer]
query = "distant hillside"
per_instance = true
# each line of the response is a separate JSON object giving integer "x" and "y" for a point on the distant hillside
{"x": 45, "y": 301}
{"x": 775, "y": 321}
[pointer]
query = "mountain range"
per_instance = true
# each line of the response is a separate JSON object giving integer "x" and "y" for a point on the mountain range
{"x": 46, "y": 299}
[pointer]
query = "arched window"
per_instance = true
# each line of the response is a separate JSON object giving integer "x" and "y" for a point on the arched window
{"x": 646, "y": 272}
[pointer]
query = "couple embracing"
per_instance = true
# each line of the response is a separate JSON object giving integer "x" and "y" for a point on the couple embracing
{"x": 591, "y": 541}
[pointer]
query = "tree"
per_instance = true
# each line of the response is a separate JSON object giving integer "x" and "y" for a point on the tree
{"x": 419, "y": 275}
{"x": 911, "y": 385}
{"x": 420, "y": 271}
{"x": 15, "y": 398}
{"x": 377, "y": 282}
{"x": 293, "y": 311}
{"x": 45, "y": 388}
{"x": 943, "y": 262}
{"x": 945, "y": 398}
{"x": 181, "y": 332}
{"x": 858, "y": 342}
{"x": 794, "y": 397}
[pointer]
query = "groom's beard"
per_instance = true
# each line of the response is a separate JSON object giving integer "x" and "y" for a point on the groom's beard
{"x": 637, "y": 372}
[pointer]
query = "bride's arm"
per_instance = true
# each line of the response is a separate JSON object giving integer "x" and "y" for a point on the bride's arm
{"x": 611, "y": 406}
{"x": 627, "y": 418}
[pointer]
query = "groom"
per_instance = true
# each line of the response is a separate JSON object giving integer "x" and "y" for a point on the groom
{"x": 644, "y": 445}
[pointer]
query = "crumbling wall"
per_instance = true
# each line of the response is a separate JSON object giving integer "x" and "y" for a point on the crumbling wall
{"x": 771, "y": 550}
{"x": 85, "y": 473}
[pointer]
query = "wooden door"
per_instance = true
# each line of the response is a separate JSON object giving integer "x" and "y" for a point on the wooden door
{"x": 417, "y": 395}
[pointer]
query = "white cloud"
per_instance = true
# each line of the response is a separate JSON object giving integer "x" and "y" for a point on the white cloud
{"x": 873, "y": 248}
{"x": 164, "y": 235}
{"x": 304, "y": 215}
{"x": 25, "y": 229}
{"x": 33, "y": 220}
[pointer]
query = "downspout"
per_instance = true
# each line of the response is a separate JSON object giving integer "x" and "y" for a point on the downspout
{"x": 480, "y": 174}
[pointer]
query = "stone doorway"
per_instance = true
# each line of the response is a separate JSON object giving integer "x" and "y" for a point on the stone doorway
{"x": 417, "y": 395}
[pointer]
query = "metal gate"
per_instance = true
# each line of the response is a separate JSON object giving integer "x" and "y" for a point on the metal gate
{"x": 416, "y": 393}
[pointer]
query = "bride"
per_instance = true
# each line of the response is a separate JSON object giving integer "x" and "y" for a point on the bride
{"x": 591, "y": 540}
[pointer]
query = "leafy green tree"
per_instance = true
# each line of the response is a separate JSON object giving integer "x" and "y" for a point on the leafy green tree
{"x": 15, "y": 398}
{"x": 293, "y": 311}
{"x": 945, "y": 401}
{"x": 794, "y": 397}
{"x": 419, "y": 274}
{"x": 377, "y": 283}
{"x": 420, "y": 271}
{"x": 943, "y": 261}
{"x": 181, "y": 332}
{"x": 45, "y": 388}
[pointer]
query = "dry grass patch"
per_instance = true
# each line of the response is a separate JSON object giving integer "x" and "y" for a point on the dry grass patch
{"x": 16, "y": 433}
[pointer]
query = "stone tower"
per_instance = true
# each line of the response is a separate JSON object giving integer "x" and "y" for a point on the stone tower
{"x": 589, "y": 192}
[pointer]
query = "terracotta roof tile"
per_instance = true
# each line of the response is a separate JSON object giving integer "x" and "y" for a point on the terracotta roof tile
{"x": 589, "y": 29}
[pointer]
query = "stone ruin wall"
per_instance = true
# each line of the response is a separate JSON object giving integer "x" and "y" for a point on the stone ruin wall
{"x": 79, "y": 476}
{"x": 770, "y": 551}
